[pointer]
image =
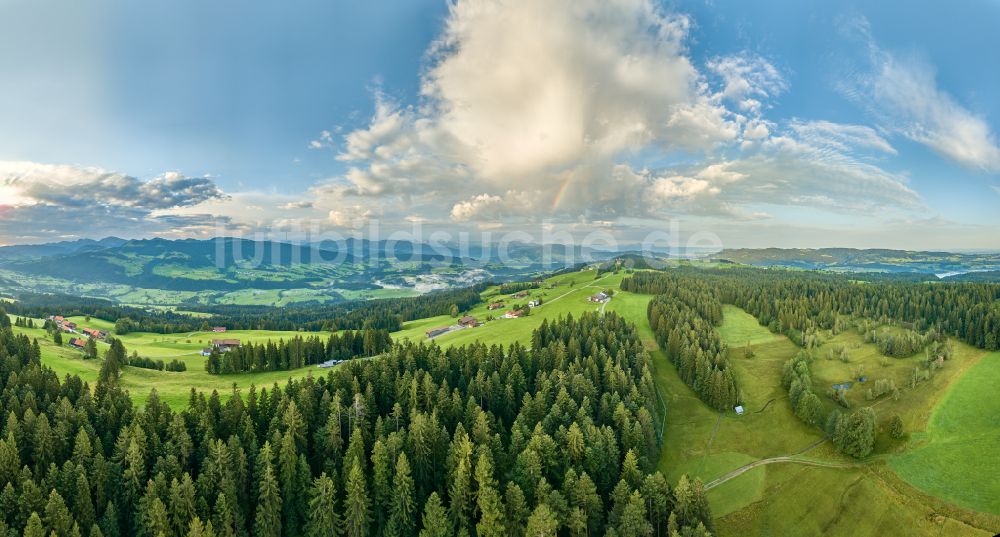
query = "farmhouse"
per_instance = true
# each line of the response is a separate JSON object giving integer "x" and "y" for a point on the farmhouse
{"x": 534, "y": 304}
{"x": 496, "y": 306}
{"x": 69, "y": 325}
{"x": 77, "y": 342}
{"x": 329, "y": 363}
{"x": 513, "y": 314}
{"x": 599, "y": 297}
{"x": 520, "y": 294}
{"x": 435, "y": 332}
{"x": 94, "y": 333}
{"x": 218, "y": 328}
{"x": 468, "y": 321}
{"x": 224, "y": 345}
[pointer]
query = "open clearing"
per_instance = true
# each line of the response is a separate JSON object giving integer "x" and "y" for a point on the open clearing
{"x": 739, "y": 328}
{"x": 174, "y": 388}
{"x": 804, "y": 497}
{"x": 958, "y": 457}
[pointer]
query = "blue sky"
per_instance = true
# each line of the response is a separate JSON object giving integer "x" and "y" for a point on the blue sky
{"x": 763, "y": 123}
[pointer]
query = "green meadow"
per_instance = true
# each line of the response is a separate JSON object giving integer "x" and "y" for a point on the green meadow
{"x": 560, "y": 295}
{"x": 958, "y": 456}
{"x": 174, "y": 388}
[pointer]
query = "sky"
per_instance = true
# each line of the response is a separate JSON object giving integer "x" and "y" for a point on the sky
{"x": 756, "y": 124}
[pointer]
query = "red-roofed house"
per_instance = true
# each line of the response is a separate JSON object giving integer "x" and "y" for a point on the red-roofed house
{"x": 224, "y": 345}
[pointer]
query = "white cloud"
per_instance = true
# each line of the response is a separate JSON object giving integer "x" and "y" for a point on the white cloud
{"x": 903, "y": 93}
{"x": 292, "y": 205}
{"x": 61, "y": 185}
{"x": 539, "y": 97}
{"x": 548, "y": 109}
{"x": 747, "y": 80}
{"x": 349, "y": 216}
{"x": 842, "y": 137}
{"x": 69, "y": 200}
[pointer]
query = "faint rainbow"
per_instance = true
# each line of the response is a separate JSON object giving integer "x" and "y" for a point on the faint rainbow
{"x": 561, "y": 191}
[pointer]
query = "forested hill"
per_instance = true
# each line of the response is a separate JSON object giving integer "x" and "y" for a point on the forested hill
{"x": 874, "y": 260}
{"x": 799, "y": 302}
{"x": 388, "y": 314}
{"x": 478, "y": 441}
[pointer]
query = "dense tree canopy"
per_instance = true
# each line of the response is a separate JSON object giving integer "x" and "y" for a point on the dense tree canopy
{"x": 478, "y": 440}
{"x": 683, "y": 316}
{"x": 793, "y": 302}
{"x": 298, "y": 352}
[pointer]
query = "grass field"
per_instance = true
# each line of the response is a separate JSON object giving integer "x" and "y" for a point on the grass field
{"x": 788, "y": 498}
{"x": 958, "y": 457}
{"x": 174, "y": 388}
{"x": 561, "y": 295}
{"x": 740, "y": 328}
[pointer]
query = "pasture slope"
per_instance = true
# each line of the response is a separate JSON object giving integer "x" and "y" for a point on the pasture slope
{"x": 958, "y": 457}
{"x": 822, "y": 492}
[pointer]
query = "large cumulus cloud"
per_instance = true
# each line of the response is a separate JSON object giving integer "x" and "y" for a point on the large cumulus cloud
{"x": 551, "y": 109}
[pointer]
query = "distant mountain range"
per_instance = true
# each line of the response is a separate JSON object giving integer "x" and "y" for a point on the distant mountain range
{"x": 239, "y": 271}
{"x": 38, "y": 251}
{"x": 236, "y": 271}
{"x": 940, "y": 264}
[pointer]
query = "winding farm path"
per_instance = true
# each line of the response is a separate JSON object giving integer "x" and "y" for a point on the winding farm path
{"x": 781, "y": 459}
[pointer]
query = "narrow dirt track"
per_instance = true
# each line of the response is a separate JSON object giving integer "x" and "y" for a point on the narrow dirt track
{"x": 781, "y": 459}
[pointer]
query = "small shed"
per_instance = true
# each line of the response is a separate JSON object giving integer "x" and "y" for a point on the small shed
{"x": 435, "y": 332}
{"x": 739, "y": 410}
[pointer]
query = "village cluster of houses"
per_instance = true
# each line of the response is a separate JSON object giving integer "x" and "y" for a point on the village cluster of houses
{"x": 221, "y": 345}
{"x": 513, "y": 314}
{"x": 69, "y": 326}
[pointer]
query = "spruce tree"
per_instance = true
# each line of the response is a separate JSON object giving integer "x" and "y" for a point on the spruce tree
{"x": 57, "y": 516}
{"x": 542, "y": 522}
{"x": 267, "y": 522}
{"x": 402, "y": 515}
{"x": 323, "y": 515}
{"x": 356, "y": 511}
{"x": 435, "y": 519}
{"x": 34, "y": 527}
{"x": 488, "y": 501}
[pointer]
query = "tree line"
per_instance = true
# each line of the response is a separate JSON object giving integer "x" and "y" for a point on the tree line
{"x": 298, "y": 352}
{"x": 387, "y": 314}
{"x": 796, "y": 301}
{"x": 478, "y": 441}
{"x": 683, "y": 315}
